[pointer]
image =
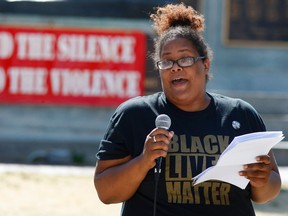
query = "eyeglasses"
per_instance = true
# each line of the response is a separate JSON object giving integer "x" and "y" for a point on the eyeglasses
{"x": 182, "y": 62}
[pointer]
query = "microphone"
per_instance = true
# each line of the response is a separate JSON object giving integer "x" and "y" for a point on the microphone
{"x": 162, "y": 121}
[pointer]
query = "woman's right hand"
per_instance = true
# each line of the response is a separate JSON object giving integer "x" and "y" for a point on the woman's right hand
{"x": 156, "y": 145}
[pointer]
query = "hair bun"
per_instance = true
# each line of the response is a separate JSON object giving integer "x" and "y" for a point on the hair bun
{"x": 177, "y": 15}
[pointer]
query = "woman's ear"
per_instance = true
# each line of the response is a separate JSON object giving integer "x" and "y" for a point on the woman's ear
{"x": 206, "y": 64}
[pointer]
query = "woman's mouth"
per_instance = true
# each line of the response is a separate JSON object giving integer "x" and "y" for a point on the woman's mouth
{"x": 179, "y": 81}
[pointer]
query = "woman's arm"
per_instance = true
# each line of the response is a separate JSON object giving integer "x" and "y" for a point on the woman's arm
{"x": 264, "y": 178}
{"x": 117, "y": 180}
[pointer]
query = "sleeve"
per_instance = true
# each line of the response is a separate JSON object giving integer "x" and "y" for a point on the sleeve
{"x": 252, "y": 117}
{"x": 127, "y": 130}
{"x": 114, "y": 143}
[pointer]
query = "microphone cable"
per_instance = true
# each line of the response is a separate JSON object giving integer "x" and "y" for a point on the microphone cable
{"x": 157, "y": 175}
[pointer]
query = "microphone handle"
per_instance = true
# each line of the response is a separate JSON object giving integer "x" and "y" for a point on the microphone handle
{"x": 158, "y": 165}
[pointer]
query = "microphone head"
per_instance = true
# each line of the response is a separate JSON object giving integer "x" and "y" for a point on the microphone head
{"x": 163, "y": 121}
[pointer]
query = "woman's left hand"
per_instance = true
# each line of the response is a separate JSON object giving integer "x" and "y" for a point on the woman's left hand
{"x": 258, "y": 173}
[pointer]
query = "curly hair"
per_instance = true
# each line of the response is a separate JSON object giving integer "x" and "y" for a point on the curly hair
{"x": 177, "y": 15}
{"x": 179, "y": 21}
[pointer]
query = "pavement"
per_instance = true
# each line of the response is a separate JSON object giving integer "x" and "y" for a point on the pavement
{"x": 284, "y": 174}
{"x": 59, "y": 171}
{"x": 102, "y": 209}
{"x": 78, "y": 170}
{"x": 47, "y": 169}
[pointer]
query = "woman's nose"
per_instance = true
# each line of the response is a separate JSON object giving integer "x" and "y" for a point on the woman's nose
{"x": 176, "y": 67}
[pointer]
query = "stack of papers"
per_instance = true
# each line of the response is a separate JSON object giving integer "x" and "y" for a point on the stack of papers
{"x": 242, "y": 150}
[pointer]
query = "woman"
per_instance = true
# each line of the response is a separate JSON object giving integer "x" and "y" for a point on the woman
{"x": 201, "y": 129}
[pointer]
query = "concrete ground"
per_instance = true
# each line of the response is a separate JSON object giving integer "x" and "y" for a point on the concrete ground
{"x": 83, "y": 178}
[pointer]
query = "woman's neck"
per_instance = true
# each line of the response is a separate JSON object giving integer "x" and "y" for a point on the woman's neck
{"x": 195, "y": 105}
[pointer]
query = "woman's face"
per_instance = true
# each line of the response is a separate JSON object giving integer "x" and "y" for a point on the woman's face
{"x": 184, "y": 86}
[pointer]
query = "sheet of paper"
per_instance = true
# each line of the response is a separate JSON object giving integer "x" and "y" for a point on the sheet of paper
{"x": 242, "y": 150}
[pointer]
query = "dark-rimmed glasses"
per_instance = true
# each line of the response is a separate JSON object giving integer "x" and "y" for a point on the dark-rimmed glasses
{"x": 182, "y": 62}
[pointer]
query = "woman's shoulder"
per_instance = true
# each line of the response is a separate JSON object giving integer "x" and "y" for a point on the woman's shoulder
{"x": 231, "y": 102}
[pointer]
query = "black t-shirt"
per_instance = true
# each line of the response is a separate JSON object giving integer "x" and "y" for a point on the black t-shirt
{"x": 200, "y": 137}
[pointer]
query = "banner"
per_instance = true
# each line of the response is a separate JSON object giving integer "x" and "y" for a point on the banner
{"x": 70, "y": 66}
